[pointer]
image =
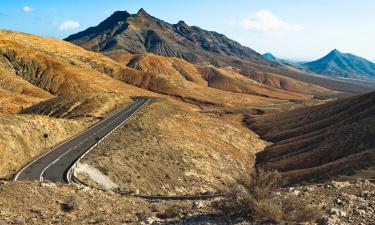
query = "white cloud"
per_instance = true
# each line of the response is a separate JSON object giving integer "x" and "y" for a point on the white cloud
{"x": 27, "y": 9}
{"x": 68, "y": 25}
{"x": 266, "y": 22}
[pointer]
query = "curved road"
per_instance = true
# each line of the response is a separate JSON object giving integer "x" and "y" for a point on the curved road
{"x": 55, "y": 164}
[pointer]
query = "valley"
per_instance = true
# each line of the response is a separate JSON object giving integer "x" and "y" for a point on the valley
{"x": 96, "y": 124}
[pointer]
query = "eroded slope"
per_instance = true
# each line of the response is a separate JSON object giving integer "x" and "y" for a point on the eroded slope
{"x": 318, "y": 142}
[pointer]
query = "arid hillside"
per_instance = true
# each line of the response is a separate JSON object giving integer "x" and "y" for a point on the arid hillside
{"x": 16, "y": 93}
{"x": 204, "y": 85}
{"x": 169, "y": 149}
{"x": 317, "y": 143}
{"x": 228, "y": 79}
{"x": 79, "y": 106}
{"x": 58, "y": 67}
{"x": 58, "y": 89}
{"x": 60, "y": 118}
{"x": 290, "y": 79}
{"x": 69, "y": 88}
{"x": 22, "y": 138}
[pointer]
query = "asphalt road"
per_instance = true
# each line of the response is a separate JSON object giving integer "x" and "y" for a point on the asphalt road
{"x": 55, "y": 164}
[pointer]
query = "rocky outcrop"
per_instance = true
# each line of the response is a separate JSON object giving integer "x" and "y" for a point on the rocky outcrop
{"x": 28, "y": 69}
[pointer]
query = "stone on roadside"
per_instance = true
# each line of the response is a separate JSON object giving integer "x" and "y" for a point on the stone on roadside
{"x": 339, "y": 185}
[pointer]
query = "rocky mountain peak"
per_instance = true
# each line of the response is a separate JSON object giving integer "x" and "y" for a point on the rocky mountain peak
{"x": 115, "y": 18}
{"x": 335, "y": 52}
{"x": 182, "y": 23}
{"x": 142, "y": 13}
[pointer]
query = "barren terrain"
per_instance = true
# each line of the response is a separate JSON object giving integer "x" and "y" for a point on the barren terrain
{"x": 319, "y": 142}
{"x": 169, "y": 149}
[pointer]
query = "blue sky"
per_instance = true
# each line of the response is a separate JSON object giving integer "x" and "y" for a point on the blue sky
{"x": 292, "y": 29}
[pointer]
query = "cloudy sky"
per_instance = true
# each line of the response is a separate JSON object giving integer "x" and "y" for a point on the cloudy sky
{"x": 292, "y": 29}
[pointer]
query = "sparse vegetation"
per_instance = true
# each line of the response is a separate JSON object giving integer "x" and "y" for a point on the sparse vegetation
{"x": 268, "y": 210}
{"x": 74, "y": 203}
{"x": 254, "y": 198}
{"x": 316, "y": 144}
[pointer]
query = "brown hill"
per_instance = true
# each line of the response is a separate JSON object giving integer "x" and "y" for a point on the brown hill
{"x": 59, "y": 67}
{"x": 316, "y": 143}
{"x": 231, "y": 80}
{"x": 178, "y": 78}
{"x": 33, "y": 71}
{"x": 16, "y": 93}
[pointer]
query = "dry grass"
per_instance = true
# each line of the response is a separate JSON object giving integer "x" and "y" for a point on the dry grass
{"x": 297, "y": 210}
{"x": 269, "y": 211}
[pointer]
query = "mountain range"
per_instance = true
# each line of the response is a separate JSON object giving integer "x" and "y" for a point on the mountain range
{"x": 334, "y": 64}
{"x": 338, "y": 64}
{"x": 140, "y": 33}
{"x": 123, "y": 34}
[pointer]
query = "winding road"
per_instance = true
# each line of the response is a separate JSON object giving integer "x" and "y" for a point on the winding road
{"x": 55, "y": 164}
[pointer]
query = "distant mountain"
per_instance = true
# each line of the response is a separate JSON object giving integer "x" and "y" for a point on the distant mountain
{"x": 270, "y": 57}
{"x": 141, "y": 33}
{"x": 338, "y": 64}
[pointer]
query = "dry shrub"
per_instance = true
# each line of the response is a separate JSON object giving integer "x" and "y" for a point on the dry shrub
{"x": 238, "y": 203}
{"x": 262, "y": 183}
{"x": 269, "y": 210}
{"x": 253, "y": 199}
{"x": 74, "y": 203}
{"x": 299, "y": 211}
{"x": 172, "y": 211}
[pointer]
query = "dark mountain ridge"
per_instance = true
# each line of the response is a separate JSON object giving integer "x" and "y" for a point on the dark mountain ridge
{"x": 140, "y": 33}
